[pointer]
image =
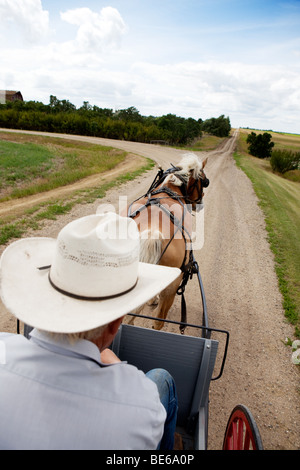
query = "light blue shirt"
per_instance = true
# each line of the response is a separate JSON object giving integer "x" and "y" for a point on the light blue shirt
{"x": 54, "y": 395}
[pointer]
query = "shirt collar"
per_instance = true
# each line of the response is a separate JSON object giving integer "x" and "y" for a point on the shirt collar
{"x": 81, "y": 348}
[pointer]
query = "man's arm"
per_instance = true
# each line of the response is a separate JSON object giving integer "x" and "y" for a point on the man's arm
{"x": 109, "y": 357}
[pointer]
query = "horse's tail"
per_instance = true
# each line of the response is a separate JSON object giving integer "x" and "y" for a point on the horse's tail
{"x": 151, "y": 246}
{"x": 150, "y": 252}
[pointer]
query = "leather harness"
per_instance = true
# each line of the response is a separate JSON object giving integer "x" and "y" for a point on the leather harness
{"x": 188, "y": 268}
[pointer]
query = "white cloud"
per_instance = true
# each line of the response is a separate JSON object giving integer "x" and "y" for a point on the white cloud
{"x": 28, "y": 15}
{"x": 270, "y": 94}
{"x": 90, "y": 66}
{"x": 96, "y": 30}
{"x": 261, "y": 96}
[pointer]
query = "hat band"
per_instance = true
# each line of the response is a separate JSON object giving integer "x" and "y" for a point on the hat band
{"x": 81, "y": 297}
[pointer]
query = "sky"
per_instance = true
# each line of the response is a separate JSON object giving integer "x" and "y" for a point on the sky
{"x": 192, "y": 58}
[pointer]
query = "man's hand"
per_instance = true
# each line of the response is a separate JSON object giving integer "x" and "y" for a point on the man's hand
{"x": 109, "y": 357}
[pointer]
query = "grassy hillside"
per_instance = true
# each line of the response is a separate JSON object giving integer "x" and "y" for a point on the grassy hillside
{"x": 280, "y": 201}
{"x": 31, "y": 164}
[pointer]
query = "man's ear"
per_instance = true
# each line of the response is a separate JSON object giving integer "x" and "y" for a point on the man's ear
{"x": 114, "y": 326}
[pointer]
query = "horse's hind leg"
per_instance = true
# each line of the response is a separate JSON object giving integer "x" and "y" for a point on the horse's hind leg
{"x": 162, "y": 311}
{"x": 131, "y": 321}
{"x": 166, "y": 300}
{"x": 154, "y": 301}
{"x": 138, "y": 311}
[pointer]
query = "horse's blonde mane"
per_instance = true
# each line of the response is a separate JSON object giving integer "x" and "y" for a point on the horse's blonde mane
{"x": 189, "y": 166}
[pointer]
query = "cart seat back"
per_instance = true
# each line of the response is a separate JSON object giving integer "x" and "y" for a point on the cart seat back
{"x": 190, "y": 360}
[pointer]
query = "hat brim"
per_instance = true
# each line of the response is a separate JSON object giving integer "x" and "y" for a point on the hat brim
{"x": 27, "y": 293}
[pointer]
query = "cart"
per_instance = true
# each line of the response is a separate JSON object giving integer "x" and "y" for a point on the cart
{"x": 191, "y": 361}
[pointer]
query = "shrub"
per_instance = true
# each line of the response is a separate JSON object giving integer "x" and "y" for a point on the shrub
{"x": 285, "y": 160}
{"x": 217, "y": 126}
{"x": 260, "y": 145}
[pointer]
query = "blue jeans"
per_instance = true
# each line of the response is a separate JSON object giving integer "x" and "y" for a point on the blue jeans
{"x": 168, "y": 397}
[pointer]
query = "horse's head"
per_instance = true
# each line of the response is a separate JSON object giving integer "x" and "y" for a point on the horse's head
{"x": 192, "y": 179}
{"x": 195, "y": 186}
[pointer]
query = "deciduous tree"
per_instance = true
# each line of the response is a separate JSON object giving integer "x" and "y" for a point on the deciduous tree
{"x": 260, "y": 145}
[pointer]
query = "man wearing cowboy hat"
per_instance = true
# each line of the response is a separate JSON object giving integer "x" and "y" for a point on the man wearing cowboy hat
{"x": 62, "y": 388}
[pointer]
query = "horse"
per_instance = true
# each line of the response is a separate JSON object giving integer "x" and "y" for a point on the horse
{"x": 164, "y": 219}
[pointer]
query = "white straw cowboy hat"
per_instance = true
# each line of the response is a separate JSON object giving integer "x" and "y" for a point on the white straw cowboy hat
{"x": 87, "y": 277}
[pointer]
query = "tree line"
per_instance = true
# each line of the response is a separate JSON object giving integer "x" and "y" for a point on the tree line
{"x": 125, "y": 124}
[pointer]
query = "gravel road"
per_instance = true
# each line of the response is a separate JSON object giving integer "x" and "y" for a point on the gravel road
{"x": 237, "y": 269}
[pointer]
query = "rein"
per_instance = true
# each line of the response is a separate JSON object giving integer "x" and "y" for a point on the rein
{"x": 175, "y": 221}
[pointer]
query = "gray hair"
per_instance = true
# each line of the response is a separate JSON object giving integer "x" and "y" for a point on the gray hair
{"x": 72, "y": 338}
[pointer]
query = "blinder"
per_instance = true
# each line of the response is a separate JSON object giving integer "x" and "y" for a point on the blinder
{"x": 205, "y": 182}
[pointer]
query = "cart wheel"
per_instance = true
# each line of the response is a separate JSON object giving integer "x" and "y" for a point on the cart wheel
{"x": 242, "y": 432}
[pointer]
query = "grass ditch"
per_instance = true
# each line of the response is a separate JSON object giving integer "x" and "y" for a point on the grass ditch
{"x": 279, "y": 199}
{"x": 206, "y": 143}
{"x": 31, "y": 164}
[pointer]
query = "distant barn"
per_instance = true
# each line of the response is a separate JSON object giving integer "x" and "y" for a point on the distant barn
{"x": 7, "y": 95}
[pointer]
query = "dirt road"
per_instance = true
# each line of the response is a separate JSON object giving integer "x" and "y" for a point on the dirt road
{"x": 237, "y": 269}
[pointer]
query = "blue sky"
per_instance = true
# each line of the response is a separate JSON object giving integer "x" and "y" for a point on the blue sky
{"x": 193, "y": 58}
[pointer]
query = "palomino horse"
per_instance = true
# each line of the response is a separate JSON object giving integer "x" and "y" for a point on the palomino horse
{"x": 164, "y": 220}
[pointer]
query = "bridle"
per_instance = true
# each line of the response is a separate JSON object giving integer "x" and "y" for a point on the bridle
{"x": 196, "y": 186}
{"x": 186, "y": 188}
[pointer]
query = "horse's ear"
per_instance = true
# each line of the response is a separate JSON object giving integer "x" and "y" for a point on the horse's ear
{"x": 204, "y": 163}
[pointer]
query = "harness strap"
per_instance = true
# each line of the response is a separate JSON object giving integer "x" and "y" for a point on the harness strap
{"x": 176, "y": 222}
{"x": 190, "y": 268}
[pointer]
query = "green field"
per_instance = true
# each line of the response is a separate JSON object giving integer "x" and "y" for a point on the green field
{"x": 206, "y": 143}
{"x": 280, "y": 201}
{"x": 31, "y": 164}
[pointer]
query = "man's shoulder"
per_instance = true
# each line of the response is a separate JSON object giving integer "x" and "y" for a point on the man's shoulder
{"x": 4, "y": 334}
